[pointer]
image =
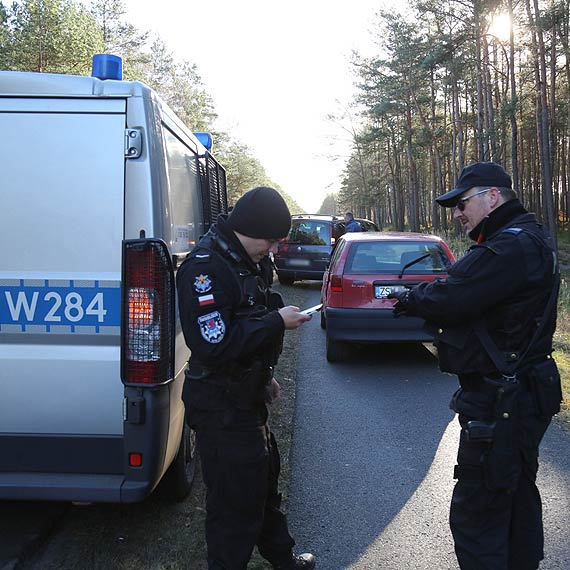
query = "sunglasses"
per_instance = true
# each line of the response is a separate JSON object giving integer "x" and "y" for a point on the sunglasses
{"x": 461, "y": 203}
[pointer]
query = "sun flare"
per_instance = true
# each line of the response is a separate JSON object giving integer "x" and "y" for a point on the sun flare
{"x": 501, "y": 27}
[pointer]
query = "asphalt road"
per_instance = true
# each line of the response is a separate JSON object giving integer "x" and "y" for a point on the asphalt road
{"x": 373, "y": 452}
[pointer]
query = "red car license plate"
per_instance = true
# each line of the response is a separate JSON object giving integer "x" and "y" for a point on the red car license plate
{"x": 382, "y": 291}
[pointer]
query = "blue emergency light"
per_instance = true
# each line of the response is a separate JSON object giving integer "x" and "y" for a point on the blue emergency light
{"x": 107, "y": 66}
{"x": 205, "y": 139}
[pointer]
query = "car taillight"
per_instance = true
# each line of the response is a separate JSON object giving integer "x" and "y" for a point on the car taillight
{"x": 336, "y": 284}
{"x": 147, "y": 323}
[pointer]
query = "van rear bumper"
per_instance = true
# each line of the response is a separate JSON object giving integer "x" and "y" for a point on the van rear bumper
{"x": 94, "y": 468}
{"x": 71, "y": 487}
{"x": 32, "y": 468}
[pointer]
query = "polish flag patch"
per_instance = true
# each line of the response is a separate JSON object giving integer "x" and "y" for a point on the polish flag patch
{"x": 204, "y": 300}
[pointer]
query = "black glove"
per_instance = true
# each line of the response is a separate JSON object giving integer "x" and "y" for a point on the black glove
{"x": 401, "y": 307}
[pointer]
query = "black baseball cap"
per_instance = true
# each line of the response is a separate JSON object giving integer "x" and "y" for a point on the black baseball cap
{"x": 477, "y": 174}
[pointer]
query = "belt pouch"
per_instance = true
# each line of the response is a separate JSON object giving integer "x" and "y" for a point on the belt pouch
{"x": 545, "y": 386}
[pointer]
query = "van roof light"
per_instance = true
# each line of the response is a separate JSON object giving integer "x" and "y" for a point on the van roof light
{"x": 107, "y": 66}
{"x": 205, "y": 139}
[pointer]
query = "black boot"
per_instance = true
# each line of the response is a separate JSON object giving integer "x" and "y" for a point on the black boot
{"x": 298, "y": 562}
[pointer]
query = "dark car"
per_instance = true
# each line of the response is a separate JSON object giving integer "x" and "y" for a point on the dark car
{"x": 367, "y": 225}
{"x": 365, "y": 268}
{"x": 305, "y": 252}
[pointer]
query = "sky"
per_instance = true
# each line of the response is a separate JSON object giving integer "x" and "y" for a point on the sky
{"x": 274, "y": 70}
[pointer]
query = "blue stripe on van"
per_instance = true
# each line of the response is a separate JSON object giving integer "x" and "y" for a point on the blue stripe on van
{"x": 60, "y": 306}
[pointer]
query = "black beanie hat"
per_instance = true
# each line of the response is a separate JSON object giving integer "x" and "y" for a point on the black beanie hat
{"x": 261, "y": 213}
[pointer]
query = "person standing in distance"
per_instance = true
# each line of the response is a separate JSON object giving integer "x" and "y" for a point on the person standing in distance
{"x": 234, "y": 324}
{"x": 351, "y": 224}
{"x": 496, "y": 315}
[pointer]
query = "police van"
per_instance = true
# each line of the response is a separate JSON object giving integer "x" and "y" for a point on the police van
{"x": 104, "y": 191}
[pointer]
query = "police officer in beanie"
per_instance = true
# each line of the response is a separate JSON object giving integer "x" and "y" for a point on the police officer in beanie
{"x": 234, "y": 324}
{"x": 496, "y": 314}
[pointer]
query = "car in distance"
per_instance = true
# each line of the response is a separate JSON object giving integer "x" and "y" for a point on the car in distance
{"x": 367, "y": 225}
{"x": 305, "y": 252}
{"x": 364, "y": 269}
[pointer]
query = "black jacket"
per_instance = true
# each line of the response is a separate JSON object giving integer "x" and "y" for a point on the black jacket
{"x": 504, "y": 281}
{"x": 227, "y": 310}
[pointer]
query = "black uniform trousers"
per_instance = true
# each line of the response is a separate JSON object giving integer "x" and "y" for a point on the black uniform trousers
{"x": 498, "y": 529}
{"x": 240, "y": 466}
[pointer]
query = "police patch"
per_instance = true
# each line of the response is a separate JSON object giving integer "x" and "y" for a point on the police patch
{"x": 202, "y": 283}
{"x": 212, "y": 327}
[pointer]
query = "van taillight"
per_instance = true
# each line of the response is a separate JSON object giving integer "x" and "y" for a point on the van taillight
{"x": 336, "y": 284}
{"x": 147, "y": 325}
{"x": 141, "y": 307}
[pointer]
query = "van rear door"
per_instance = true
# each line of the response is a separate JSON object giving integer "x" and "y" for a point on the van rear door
{"x": 61, "y": 224}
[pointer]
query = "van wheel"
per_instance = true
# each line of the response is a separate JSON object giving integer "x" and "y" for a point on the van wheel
{"x": 336, "y": 351}
{"x": 285, "y": 280}
{"x": 323, "y": 320}
{"x": 178, "y": 479}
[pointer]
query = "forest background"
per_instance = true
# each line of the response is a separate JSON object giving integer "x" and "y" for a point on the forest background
{"x": 453, "y": 82}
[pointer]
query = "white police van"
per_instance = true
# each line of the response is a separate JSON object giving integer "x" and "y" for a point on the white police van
{"x": 103, "y": 193}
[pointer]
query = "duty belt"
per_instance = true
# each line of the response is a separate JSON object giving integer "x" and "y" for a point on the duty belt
{"x": 199, "y": 371}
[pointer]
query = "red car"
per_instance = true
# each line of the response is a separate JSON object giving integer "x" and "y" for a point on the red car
{"x": 364, "y": 269}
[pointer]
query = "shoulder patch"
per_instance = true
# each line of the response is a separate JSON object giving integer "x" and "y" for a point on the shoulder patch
{"x": 515, "y": 231}
{"x": 212, "y": 327}
{"x": 202, "y": 283}
{"x": 204, "y": 300}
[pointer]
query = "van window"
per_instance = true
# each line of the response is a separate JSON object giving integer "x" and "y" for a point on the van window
{"x": 310, "y": 232}
{"x": 186, "y": 211}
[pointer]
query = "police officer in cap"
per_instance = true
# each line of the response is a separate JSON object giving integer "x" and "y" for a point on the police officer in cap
{"x": 234, "y": 324}
{"x": 495, "y": 315}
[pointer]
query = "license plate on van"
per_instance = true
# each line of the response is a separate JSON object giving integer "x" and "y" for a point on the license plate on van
{"x": 382, "y": 291}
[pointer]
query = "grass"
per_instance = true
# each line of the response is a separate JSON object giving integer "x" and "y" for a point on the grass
{"x": 154, "y": 535}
